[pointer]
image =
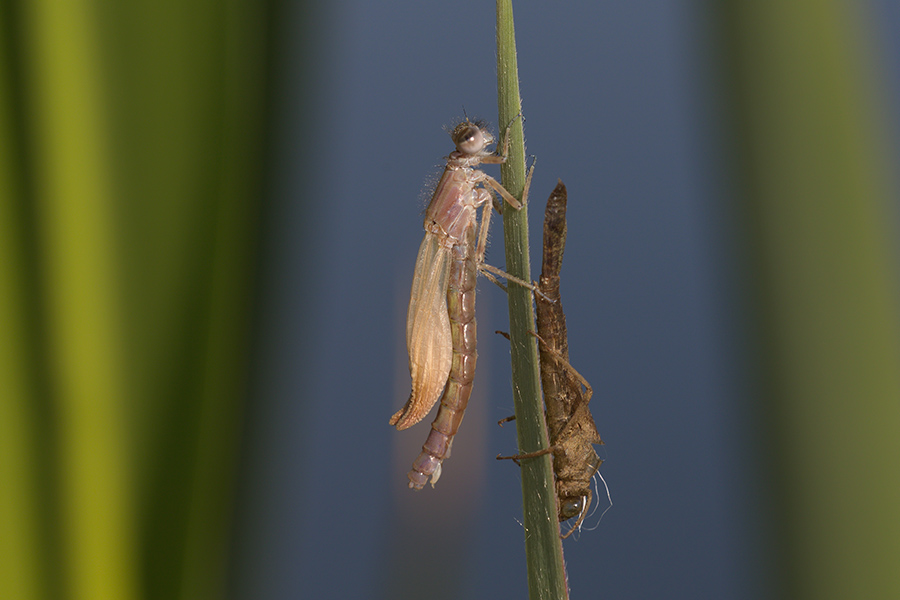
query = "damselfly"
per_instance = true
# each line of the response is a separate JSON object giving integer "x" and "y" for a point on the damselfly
{"x": 440, "y": 322}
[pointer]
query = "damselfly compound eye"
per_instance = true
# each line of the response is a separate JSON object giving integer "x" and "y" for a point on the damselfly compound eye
{"x": 469, "y": 139}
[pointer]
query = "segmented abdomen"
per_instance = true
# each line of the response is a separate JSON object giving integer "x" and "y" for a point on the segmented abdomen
{"x": 461, "y": 310}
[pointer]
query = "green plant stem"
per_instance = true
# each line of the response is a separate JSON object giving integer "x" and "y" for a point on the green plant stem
{"x": 543, "y": 547}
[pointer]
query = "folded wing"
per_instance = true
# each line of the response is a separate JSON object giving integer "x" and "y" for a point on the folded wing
{"x": 428, "y": 338}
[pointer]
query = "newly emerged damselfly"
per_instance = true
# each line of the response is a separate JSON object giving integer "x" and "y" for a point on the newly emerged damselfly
{"x": 440, "y": 322}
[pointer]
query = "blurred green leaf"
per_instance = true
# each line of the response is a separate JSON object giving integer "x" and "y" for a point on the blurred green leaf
{"x": 129, "y": 254}
{"x": 817, "y": 192}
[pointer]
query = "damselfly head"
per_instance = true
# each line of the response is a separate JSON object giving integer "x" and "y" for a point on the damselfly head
{"x": 471, "y": 138}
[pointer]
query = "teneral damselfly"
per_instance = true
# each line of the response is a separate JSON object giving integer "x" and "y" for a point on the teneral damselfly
{"x": 440, "y": 323}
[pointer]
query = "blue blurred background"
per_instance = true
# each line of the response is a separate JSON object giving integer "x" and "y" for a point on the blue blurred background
{"x": 624, "y": 103}
{"x": 263, "y": 465}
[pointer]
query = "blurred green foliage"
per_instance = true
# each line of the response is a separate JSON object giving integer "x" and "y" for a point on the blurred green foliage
{"x": 819, "y": 216}
{"x": 131, "y": 144}
{"x": 131, "y": 151}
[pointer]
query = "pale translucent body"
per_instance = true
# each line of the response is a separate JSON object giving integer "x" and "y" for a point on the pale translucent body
{"x": 440, "y": 326}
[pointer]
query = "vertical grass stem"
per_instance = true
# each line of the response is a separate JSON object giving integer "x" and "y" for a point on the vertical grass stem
{"x": 543, "y": 547}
